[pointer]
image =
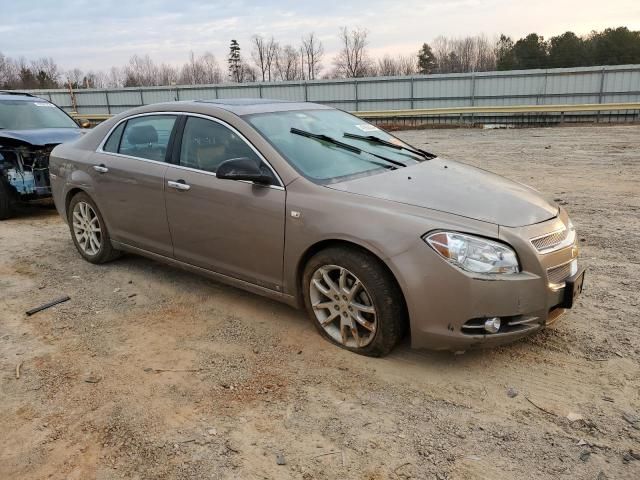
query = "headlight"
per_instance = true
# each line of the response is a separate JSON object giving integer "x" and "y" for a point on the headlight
{"x": 474, "y": 254}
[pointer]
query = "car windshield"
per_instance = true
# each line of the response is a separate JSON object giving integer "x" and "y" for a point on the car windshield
{"x": 32, "y": 114}
{"x": 324, "y": 161}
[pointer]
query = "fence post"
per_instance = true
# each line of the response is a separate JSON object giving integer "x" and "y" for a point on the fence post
{"x": 355, "y": 86}
{"x": 141, "y": 98}
{"x": 473, "y": 96}
{"x": 544, "y": 93}
{"x": 260, "y": 90}
{"x": 412, "y": 94}
{"x": 602, "y": 74}
{"x": 473, "y": 89}
{"x": 306, "y": 92}
{"x": 106, "y": 100}
{"x": 177, "y": 93}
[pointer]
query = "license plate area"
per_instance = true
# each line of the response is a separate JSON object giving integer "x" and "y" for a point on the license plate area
{"x": 573, "y": 288}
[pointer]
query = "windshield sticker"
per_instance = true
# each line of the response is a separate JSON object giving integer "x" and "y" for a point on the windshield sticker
{"x": 365, "y": 127}
{"x": 42, "y": 104}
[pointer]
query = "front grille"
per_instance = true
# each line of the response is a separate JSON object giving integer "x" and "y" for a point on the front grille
{"x": 551, "y": 240}
{"x": 557, "y": 275}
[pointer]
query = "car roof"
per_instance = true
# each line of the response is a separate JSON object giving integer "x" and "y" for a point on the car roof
{"x": 13, "y": 95}
{"x": 248, "y": 106}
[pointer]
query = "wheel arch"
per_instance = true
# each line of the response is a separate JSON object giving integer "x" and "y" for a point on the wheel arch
{"x": 328, "y": 243}
{"x": 69, "y": 195}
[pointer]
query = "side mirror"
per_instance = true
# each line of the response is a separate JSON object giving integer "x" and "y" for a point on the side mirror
{"x": 242, "y": 169}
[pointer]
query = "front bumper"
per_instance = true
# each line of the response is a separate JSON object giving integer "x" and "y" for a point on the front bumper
{"x": 447, "y": 306}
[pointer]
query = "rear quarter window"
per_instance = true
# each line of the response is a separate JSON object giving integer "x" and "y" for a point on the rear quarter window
{"x": 113, "y": 143}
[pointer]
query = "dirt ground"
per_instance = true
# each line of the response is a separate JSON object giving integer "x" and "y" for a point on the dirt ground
{"x": 149, "y": 372}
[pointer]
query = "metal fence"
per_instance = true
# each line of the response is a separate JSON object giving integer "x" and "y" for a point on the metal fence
{"x": 586, "y": 85}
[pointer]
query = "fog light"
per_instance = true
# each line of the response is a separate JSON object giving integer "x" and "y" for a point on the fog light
{"x": 492, "y": 325}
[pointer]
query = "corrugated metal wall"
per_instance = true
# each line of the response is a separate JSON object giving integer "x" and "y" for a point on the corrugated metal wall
{"x": 611, "y": 84}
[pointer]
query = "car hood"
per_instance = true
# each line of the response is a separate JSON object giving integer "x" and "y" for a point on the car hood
{"x": 459, "y": 189}
{"x": 41, "y": 137}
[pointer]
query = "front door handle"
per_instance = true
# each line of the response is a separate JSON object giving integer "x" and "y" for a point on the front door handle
{"x": 179, "y": 185}
{"x": 100, "y": 168}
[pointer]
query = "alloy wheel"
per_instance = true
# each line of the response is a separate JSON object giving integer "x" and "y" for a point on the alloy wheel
{"x": 342, "y": 306}
{"x": 86, "y": 228}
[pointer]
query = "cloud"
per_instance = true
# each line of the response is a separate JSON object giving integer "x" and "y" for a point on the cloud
{"x": 97, "y": 35}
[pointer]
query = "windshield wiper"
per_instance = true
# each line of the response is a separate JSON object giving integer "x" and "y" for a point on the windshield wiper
{"x": 380, "y": 141}
{"x": 346, "y": 146}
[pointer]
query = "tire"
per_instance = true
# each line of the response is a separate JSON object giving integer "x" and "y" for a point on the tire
{"x": 377, "y": 288}
{"x": 5, "y": 201}
{"x": 100, "y": 251}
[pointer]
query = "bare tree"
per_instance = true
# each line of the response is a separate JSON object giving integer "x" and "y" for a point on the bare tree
{"x": 486, "y": 59}
{"x": 166, "y": 75}
{"x": 408, "y": 65}
{"x": 311, "y": 55}
{"x": 387, "y": 67}
{"x": 46, "y": 72}
{"x": 190, "y": 71}
{"x": 140, "y": 72}
{"x": 249, "y": 74}
{"x": 211, "y": 69}
{"x": 8, "y": 74}
{"x": 460, "y": 55}
{"x": 353, "y": 60}
{"x": 115, "y": 78}
{"x": 74, "y": 78}
{"x": 97, "y": 79}
{"x": 200, "y": 71}
{"x": 288, "y": 63}
{"x": 263, "y": 54}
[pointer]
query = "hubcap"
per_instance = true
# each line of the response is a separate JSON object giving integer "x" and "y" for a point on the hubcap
{"x": 342, "y": 306}
{"x": 86, "y": 228}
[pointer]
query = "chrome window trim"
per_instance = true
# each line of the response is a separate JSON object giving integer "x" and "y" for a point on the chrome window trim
{"x": 100, "y": 148}
{"x": 196, "y": 170}
{"x": 121, "y": 155}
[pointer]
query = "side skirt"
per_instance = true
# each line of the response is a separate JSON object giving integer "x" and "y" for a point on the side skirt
{"x": 234, "y": 282}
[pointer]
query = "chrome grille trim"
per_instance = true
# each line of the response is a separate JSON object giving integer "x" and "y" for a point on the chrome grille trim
{"x": 557, "y": 275}
{"x": 550, "y": 242}
{"x": 523, "y": 321}
{"x": 550, "y": 239}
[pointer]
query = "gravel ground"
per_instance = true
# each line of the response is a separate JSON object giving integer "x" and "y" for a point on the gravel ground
{"x": 153, "y": 373}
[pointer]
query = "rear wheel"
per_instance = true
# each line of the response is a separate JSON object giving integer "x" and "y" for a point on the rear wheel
{"x": 354, "y": 301}
{"x": 5, "y": 200}
{"x": 88, "y": 230}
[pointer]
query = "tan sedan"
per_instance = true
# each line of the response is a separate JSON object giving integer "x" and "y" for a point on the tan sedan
{"x": 317, "y": 208}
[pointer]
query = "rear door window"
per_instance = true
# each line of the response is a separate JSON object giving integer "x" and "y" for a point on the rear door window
{"x": 147, "y": 137}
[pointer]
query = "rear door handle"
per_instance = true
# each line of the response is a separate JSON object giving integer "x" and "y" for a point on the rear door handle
{"x": 100, "y": 168}
{"x": 179, "y": 185}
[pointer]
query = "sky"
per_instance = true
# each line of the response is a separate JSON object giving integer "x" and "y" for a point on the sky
{"x": 94, "y": 35}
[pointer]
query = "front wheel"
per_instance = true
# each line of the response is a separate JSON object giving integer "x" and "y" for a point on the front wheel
{"x": 354, "y": 301}
{"x": 88, "y": 230}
